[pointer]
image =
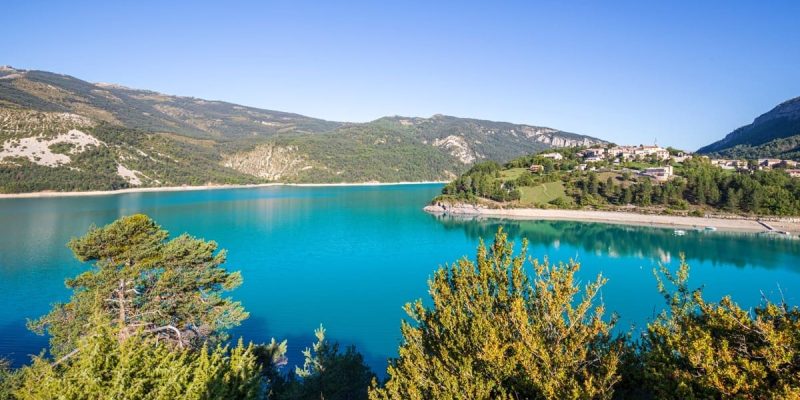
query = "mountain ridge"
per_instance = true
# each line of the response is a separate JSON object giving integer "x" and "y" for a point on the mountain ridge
{"x": 231, "y": 143}
{"x": 8, "y": 72}
{"x": 775, "y": 133}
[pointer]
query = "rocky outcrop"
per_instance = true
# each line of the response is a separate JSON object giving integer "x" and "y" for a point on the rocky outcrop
{"x": 455, "y": 208}
{"x": 44, "y": 138}
{"x": 40, "y": 150}
{"x": 458, "y": 147}
{"x": 554, "y": 140}
{"x": 129, "y": 175}
{"x": 471, "y": 140}
{"x": 270, "y": 162}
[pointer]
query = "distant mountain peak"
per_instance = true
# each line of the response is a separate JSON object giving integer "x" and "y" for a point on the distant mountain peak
{"x": 768, "y": 135}
{"x": 789, "y": 109}
{"x": 8, "y": 72}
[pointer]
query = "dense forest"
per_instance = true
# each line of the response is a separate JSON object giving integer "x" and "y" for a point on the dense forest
{"x": 149, "y": 320}
{"x": 697, "y": 187}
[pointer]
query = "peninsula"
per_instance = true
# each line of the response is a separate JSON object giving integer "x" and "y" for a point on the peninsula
{"x": 642, "y": 185}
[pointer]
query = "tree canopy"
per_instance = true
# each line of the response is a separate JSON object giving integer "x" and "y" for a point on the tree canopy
{"x": 143, "y": 282}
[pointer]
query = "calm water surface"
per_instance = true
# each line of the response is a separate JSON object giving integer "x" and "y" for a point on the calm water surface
{"x": 350, "y": 257}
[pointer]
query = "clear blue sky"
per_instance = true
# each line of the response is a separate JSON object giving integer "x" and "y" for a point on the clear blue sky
{"x": 683, "y": 72}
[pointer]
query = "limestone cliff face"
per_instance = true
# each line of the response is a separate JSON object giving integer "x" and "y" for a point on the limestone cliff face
{"x": 458, "y": 147}
{"x": 468, "y": 149}
{"x": 554, "y": 140}
{"x": 472, "y": 140}
{"x": 269, "y": 161}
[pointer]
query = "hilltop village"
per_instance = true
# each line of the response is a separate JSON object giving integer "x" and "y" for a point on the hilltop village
{"x": 643, "y": 179}
{"x": 617, "y": 156}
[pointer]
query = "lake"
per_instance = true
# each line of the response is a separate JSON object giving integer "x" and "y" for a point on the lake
{"x": 350, "y": 257}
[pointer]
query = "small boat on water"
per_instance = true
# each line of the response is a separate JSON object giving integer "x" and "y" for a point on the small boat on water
{"x": 680, "y": 232}
{"x": 711, "y": 228}
{"x": 779, "y": 234}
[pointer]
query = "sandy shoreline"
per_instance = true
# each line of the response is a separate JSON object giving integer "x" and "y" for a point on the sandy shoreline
{"x": 194, "y": 188}
{"x": 624, "y": 218}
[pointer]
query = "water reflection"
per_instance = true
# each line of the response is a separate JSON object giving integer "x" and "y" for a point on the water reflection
{"x": 738, "y": 249}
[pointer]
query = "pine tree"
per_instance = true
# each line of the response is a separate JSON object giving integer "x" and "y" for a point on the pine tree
{"x": 732, "y": 200}
{"x": 327, "y": 374}
{"x": 144, "y": 283}
{"x": 592, "y": 185}
{"x": 627, "y": 196}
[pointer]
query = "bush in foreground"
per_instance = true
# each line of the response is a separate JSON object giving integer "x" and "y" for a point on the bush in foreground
{"x": 141, "y": 368}
{"x": 699, "y": 349}
{"x": 495, "y": 332}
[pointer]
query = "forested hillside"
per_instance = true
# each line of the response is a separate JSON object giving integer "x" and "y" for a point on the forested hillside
{"x": 196, "y": 141}
{"x": 775, "y": 134}
{"x": 787, "y": 148}
{"x": 55, "y": 151}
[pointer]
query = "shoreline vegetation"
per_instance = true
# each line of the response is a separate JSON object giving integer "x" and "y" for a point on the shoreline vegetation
{"x": 733, "y": 224}
{"x": 187, "y": 188}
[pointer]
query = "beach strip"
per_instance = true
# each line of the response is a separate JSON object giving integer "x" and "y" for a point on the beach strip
{"x": 618, "y": 217}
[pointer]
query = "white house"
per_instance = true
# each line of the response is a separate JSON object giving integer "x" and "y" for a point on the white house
{"x": 624, "y": 152}
{"x": 660, "y": 173}
{"x": 681, "y": 157}
{"x": 660, "y": 152}
{"x": 769, "y": 163}
{"x": 729, "y": 164}
{"x": 593, "y": 158}
{"x": 554, "y": 156}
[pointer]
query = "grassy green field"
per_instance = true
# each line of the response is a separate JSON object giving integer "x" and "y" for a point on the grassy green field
{"x": 542, "y": 194}
{"x": 511, "y": 174}
{"x": 637, "y": 165}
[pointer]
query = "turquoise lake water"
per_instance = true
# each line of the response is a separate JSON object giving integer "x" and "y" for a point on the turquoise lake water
{"x": 350, "y": 257}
